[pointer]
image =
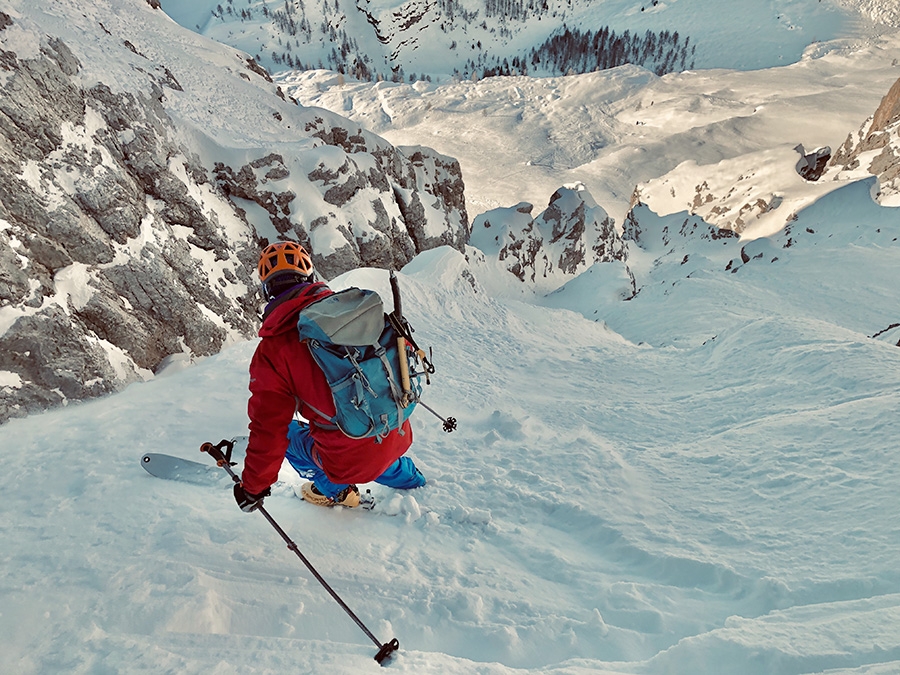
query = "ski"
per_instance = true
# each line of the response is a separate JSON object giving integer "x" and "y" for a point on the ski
{"x": 185, "y": 470}
{"x": 171, "y": 467}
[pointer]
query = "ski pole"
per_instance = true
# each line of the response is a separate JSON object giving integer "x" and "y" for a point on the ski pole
{"x": 224, "y": 460}
{"x": 449, "y": 423}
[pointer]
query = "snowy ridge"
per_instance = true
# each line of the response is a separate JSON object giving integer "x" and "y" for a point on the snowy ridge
{"x": 409, "y": 40}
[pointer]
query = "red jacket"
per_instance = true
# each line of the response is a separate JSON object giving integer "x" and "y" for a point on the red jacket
{"x": 283, "y": 375}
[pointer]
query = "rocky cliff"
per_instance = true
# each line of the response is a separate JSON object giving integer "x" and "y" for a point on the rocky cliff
{"x": 875, "y": 149}
{"x": 133, "y": 200}
{"x": 569, "y": 236}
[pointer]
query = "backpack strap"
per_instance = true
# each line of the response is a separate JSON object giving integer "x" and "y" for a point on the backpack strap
{"x": 313, "y": 289}
{"x": 361, "y": 384}
{"x": 396, "y": 393}
{"x": 322, "y": 425}
{"x": 305, "y": 290}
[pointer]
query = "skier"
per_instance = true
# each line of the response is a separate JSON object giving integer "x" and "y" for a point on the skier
{"x": 284, "y": 380}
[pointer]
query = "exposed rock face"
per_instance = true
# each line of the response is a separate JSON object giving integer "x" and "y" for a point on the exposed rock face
{"x": 119, "y": 247}
{"x": 84, "y": 175}
{"x": 572, "y": 234}
{"x": 440, "y": 220}
{"x": 875, "y": 148}
{"x": 812, "y": 165}
{"x": 386, "y": 204}
{"x": 664, "y": 237}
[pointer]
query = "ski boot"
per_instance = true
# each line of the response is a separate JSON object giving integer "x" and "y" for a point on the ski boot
{"x": 348, "y": 497}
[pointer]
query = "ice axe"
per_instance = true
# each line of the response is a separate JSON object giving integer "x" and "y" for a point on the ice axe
{"x": 404, "y": 330}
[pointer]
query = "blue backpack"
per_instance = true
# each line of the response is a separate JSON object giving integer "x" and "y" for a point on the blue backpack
{"x": 356, "y": 346}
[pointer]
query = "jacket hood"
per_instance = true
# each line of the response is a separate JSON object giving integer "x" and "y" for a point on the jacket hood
{"x": 281, "y": 314}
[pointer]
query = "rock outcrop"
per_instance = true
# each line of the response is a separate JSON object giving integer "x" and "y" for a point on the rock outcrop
{"x": 812, "y": 165}
{"x": 85, "y": 175}
{"x": 127, "y": 237}
{"x": 875, "y": 149}
{"x": 569, "y": 236}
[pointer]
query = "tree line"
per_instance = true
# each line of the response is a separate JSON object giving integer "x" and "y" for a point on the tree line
{"x": 575, "y": 51}
{"x": 567, "y": 51}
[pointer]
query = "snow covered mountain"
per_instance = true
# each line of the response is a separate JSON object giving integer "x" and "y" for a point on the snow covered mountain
{"x": 142, "y": 166}
{"x": 725, "y": 145}
{"x": 425, "y": 39}
{"x": 676, "y": 450}
{"x": 133, "y": 210}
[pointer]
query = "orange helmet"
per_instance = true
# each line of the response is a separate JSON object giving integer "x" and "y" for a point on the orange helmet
{"x": 284, "y": 256}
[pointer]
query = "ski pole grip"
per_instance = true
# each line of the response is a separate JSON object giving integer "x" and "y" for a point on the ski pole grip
{"x": 223, "y": 459}
{"x": 214, "y": 452}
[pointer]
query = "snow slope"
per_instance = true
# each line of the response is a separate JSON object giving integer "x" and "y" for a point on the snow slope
{"x": 702, "y": 479}
{"x": 440, "y": 38}
{"x": 520, "y": 138}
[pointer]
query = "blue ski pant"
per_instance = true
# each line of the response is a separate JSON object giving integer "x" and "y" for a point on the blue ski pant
{"x": 402, "y": 474}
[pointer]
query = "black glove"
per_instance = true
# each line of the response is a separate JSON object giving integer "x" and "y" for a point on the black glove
{"x": 247, "y": 501}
